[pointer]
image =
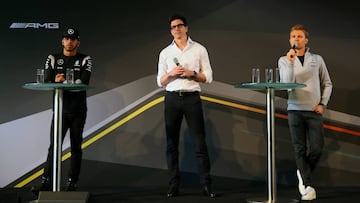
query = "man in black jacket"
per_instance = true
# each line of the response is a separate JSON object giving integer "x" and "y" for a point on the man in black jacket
{"x": 74, "y": 103}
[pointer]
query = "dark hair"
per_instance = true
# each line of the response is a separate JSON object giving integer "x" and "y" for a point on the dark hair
{"x": 176, "y": 17}
{"x": 300, "y": 27}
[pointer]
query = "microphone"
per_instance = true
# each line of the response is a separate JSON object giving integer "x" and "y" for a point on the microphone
{"x": 176, "y": 61}
{"x": 294, "y": 46}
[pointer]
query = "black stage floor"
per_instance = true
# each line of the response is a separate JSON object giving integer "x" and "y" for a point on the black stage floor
{"x": 108, "y": 182}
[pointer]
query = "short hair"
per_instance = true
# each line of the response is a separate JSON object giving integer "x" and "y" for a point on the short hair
{"x": 176, "y": 17}
{"x": 300, "y": 27}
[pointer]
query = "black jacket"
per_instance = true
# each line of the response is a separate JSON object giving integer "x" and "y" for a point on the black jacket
{"x": 73, "y": 101}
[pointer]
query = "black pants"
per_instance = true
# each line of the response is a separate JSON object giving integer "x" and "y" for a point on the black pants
{"x": 176, "y": 107}
{"x": 306, "y": 127}
{"x": 75, "y": 123}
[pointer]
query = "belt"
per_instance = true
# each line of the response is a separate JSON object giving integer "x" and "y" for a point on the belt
{"x": 182, "y": 93}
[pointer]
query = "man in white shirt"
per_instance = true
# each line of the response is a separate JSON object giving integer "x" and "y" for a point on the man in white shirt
{"x": 182, "y": 66}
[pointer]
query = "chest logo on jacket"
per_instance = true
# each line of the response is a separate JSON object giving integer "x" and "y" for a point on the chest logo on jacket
{"x": 60, "y": 62}
{"x": 77, "y": 63}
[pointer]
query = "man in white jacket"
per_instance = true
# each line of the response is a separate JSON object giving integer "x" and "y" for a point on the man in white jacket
{"x": 305, "y": 105}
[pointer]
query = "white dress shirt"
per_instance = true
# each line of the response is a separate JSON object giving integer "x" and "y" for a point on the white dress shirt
{"x": 193, "y": 57}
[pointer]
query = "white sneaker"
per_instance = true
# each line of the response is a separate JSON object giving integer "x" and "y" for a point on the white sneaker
{"x": 310, "y": 194}
{"x": 301, "y": 185}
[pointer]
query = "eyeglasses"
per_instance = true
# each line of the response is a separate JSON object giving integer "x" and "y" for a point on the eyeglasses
{"x": 177, "y": 26}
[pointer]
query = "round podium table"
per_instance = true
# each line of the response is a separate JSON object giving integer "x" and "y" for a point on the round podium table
{"x": 270, "y": 118}
{"x": 58, "y": 89}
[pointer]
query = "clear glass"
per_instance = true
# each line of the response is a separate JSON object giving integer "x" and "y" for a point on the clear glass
{"x": 255, "y": 75}
{"x": 269, "y": 75}
{"x": 39, "y": 75}
{"x": 69, "y": 76}
{"x": 277, "y": 75}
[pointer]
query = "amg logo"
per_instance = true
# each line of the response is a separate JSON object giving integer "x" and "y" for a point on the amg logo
{"x": 34, "y": 25}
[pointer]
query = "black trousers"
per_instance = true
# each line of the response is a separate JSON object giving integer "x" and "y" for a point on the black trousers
{"x": 75, "y": 123}
{"x": 307, "y": 135}
{"x": 186, "y": 105}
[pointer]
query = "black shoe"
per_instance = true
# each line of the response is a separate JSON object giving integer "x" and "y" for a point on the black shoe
{"x": 45, "y": 184}
{"x": 173, "y": 191}
{"x": 208, "y": 191}
{"x": 35, "y": 190}
{"x": 71, "y": 185}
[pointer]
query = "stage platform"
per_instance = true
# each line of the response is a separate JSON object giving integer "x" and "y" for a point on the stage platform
{"x": 107, "y": 182}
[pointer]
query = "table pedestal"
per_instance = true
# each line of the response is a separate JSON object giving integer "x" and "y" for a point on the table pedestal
{"x": 270, "y": 123}
{"x": 270, "y": 118}
{"x": 278, "y": 200}
{"x": 62, "y": 197}
{"x": 56, "y": 195}
{"x": 57, "y": 149}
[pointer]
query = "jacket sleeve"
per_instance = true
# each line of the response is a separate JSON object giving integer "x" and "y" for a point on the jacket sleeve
{"x": 286, "y": 70}
{"x": 86, "y": 70}
{"x": 325, "y": 83}
{"x": 49, "y": 69}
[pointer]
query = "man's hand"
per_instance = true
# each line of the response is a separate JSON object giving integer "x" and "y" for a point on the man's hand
{"x": 178, "y": 71}
{"x": 187, "y": 73}
{"x": 319, "y": 109}
{"x": 291, "y": 55}
{"x": 59, "y": 77}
